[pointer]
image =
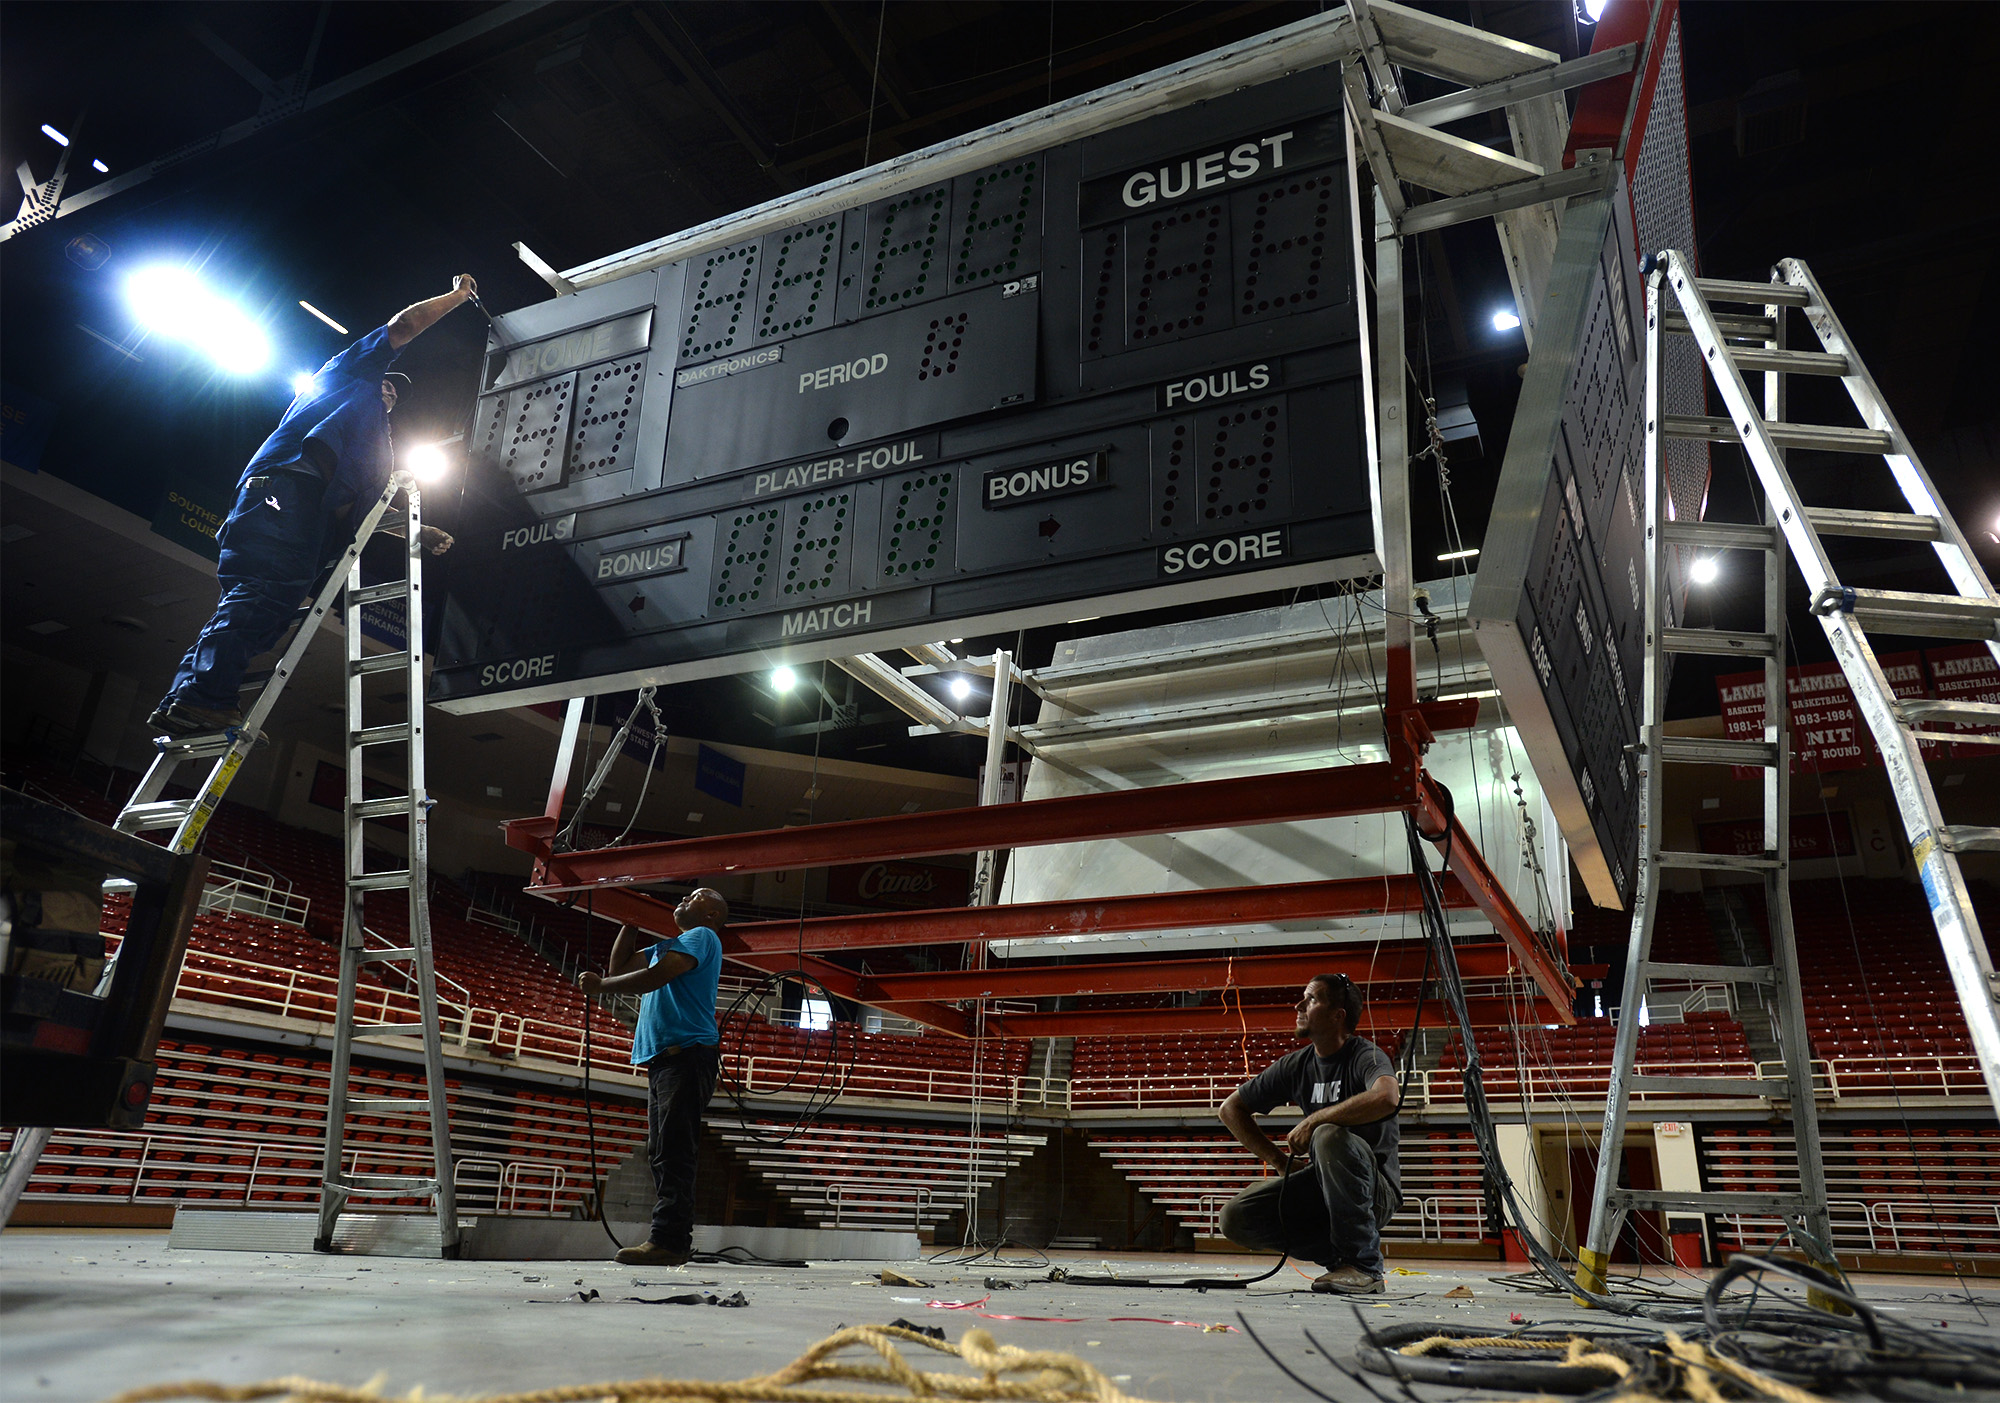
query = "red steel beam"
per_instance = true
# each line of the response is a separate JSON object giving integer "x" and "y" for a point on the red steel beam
{"x": 1333, "y": 792}
{"x": 1290, "y": 969}
{"x": 1380, "y": 1017}
{"x": 1223, "y": 906}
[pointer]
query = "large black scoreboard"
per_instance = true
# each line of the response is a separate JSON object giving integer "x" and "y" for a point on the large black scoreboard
{"x": 1118, "y": 372}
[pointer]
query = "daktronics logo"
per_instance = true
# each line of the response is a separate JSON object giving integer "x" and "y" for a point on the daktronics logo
{"x": 881, "y": 880}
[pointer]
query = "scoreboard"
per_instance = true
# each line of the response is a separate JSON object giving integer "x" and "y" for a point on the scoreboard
{"x": 1116, "y": 372}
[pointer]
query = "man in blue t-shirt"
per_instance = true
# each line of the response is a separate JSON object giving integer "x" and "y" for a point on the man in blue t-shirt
{"x": 677, "y": 1043}
{"x": 1349, "y": 1183}
{"x": 331, "y": 449}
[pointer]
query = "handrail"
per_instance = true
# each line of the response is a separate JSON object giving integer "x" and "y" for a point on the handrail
{"x": 234, "y": 888}
{"x": 920, "y": 1196}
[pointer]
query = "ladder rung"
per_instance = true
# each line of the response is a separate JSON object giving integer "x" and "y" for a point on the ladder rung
{"x": 381, "y": 808}
{"x": 1966, "y": 837}
{"x": 1708, "y": 750}
{"x": 1973, "y": 713}
{"x": 1902, "y": 611}
{"x": 1884, "y": 526}
{"x": 1759, "y": 294}
{"x": 1716, "y": 862}
{"x": 389, "y": 1185}
{"x": 1718, "y": 643}
{"x": 422, "y": 1103}
{"x": 1712, "y": 1086}
{"x": 379, "y": 662}
{"x": 1729, "y": 324}
{"x": 1826, "y": 438}
{"x": 380, "y": 735}
{"x": 388, "y": 954}
{"x": 372, "y": 594}
{"x": 202, "y": 747}
{"x": 1738, "y": 1201}
{"x": 376, "y": 1030}
{"x": 379, "y": 881}
{"x": 1718, "y": 535}
{"x": 1713, "y": 974}
{"x": 144, "y": 818}
{"x": 1790, "y": 362}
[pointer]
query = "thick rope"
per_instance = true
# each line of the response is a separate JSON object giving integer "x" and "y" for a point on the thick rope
{"x": 1698, "y": 1365}
{"x": 1056, "y": 1378}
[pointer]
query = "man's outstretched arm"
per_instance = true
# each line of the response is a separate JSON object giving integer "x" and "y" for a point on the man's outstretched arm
{"x": 1241, "y": 1122}
{"x": 418, "y": 317}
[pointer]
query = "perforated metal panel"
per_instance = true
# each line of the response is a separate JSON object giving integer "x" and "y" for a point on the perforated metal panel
{"x": 799, "y": 280}
{"x": 1290, "y": 242}
{"x": 747, "y": 551}
{"x": 606, "y": 418}
{"x": 1172, "y": 268}
{"x": 997, "y": 232}
{"x": 721, "y": 288}
{"x": 531, "y": 453}
{"x": 916, "y": 526}
{"x": 818, "y": 555}
{"x": 906, "y": 249}
{"x": 1222, "y": 467}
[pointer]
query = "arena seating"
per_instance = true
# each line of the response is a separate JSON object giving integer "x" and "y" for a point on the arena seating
{"x": 1891, "y": 1188}
{"x": 843, "y": 1175}
{"x": 896, "y": 1066}
{"x": 1180, "y": 1069}
{"x": 232, "y": 1126}
{"x": 1575, "y": 1060}
{"x": 1192, "y": 1175}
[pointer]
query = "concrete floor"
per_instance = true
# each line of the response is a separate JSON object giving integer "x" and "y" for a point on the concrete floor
{"x": 86, "y": 1314}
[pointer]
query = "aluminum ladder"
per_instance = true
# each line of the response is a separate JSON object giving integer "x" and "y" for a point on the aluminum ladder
{"x": 145, "y": 811}
{"x": 341, "y": 1183}
{"x": 1679, "y": 303}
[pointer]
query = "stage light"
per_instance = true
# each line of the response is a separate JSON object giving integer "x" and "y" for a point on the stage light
{"x": 784, "y": 679}
{"x": 1465, "y": 554}
{"x": 99, "y": 166}
{"x": 302, "y": 383}
{"x": 1505, "y": 321}
{"x": 1591, "y": 11}
{"x": 426, "y": 462}
{"x": 323, "y": 316}
{"x": 53, "y": 135}
{"x": 173, "y": 302}
{"x": 1704, "y": 571}
{"x": 960, "y": 689}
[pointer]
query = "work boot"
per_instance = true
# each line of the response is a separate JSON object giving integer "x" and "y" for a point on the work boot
{"x": 179, "y": 718}
{"x": 1348, "y": 1281}
{"x": 651, "y": 1254}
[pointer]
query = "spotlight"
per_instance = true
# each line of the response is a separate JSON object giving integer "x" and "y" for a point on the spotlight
{"x": 426, "y": 462}
{"x": 323, "y": 316}
{"x": 99, "y": 167}
{"x": 1593, "y": 10}
{"x": 960, "y": 689}
{"x": 784, "y": 679}
{"x": 53, "y": 135}
{"x": 302, "y": 383}
{"x": 1465, "y": 554}
{"x": 174, "y": 303}
{"x": 1504, "y": 320}
{"x": 1704, "y": 571}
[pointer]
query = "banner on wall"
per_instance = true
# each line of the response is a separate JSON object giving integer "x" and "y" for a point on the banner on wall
{"x": 1814, "y": 835}
{"x": 1828, "y": 731}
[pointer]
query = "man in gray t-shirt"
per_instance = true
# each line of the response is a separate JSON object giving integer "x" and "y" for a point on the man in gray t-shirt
{"x": 1349, "y": 1182}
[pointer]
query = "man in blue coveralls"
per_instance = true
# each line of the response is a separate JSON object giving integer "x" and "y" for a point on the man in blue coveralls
{"x": 331, "y": 450}
{"x": 678, "y": 1045}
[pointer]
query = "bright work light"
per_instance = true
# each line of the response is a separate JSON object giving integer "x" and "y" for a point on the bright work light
{"x": 426, "y": 462}
{"x": 960, "y": 689}
{"x": 784, "y": 679}
{"x": 1704, "y": 571}
{"x": 302, "y": 383}
{"x": 173, "y": 302}
{"x": 1505, "y": 321}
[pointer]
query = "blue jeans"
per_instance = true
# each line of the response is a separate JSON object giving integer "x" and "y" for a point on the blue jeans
{"x": 1331, "y": 1212}
{"x": 270, "y": 560}
{"x": 678, "y": 1085}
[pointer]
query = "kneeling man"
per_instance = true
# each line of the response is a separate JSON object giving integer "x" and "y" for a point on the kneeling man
{"x": 1333, "y": 1210}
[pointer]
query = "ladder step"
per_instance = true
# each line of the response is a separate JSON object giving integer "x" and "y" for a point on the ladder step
{"x": 1729, "y": 324}
{"x": 1826, "y": 438}
{"x": 382, "y": 808}
{"x": 1966, "y": 837}
{"x": 1718, "y": 535}
{"x": 1973, "y": 713}
{"x": 422, "y": 1103}
{"x": 374, "y": 1030}
{"x": 1902, "y": 611}
{"x": 1883, "y": 526}
{"x": 389, "y": 955}
{"x": 1704, "y": 750}
{"x": 1740, "y": 1201}
{"x": 202, "y": 747}
{"x": 1713, "y": 974}
{"x": 380, "y": 735}
{"x": 387, "y": 1184}
{"x": 1715, "y": 862}
{"x": 1713, "y": 1086}
{"x": 378, "y": 662}
{"x": 144, "y": 818}
{"x": 1791, "y": 362}
{"x": 372, "y": 594}
{"x": 1759, "y": 294}
{"x": 379, "y": 881}
{"x": 1717, "y": 643}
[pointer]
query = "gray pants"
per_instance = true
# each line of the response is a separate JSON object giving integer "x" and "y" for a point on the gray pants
{"x": 1331, "y": 1212}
